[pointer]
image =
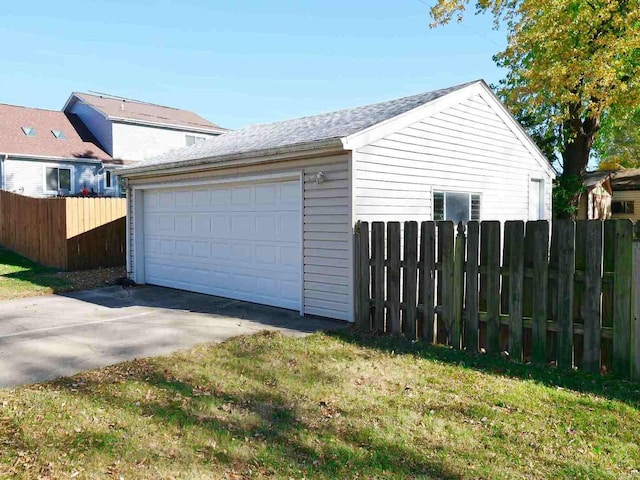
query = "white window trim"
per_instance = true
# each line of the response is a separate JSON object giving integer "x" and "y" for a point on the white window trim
{"x": 542, "y": 213}
{"x": 65, "y": 166}
{"x": 467, "y": 192}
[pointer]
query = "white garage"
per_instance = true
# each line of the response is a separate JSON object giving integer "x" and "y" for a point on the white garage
{"x": 238, "y": 240}
{"x": 266, "y": 213}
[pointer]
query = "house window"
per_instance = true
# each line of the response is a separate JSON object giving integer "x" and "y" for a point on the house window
{"x": 108, "y": 180}
{"x": 622, "y": 206}
{"x": 58, "y": 179}
{"x": 192, "y": 140}
{"x": 456, "y": 206}
{"x": 59, "y": 134}
{"x": 29, "y": 131}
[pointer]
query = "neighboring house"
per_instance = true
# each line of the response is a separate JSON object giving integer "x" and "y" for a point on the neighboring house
{"x": 611, "y": 194}
{"x": 266, "y": 213}
{"x": 626, "y": 194}
{"x": 48, "y": 153}
{"x": 595, "y": 202}
{"x": 134, "y": 130}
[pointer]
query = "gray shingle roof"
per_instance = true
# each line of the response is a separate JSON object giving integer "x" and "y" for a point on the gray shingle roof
{"x": 299, "y": 131}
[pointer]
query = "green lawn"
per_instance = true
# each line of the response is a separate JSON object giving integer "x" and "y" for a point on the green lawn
{"x": 20, "y": 277}
{"x": 324, "y": 406}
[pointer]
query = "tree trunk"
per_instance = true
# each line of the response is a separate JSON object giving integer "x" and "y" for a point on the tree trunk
{"x": 575, "y": 157}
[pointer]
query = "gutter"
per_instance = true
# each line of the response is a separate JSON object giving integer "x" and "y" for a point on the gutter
{"x": 50, "y": 158}
{"x": 332, "y": 145}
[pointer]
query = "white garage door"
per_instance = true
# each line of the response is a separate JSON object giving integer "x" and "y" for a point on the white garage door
{"x": 240, "y": 241}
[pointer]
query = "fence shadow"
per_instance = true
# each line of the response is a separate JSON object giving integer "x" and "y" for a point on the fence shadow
{"x": 606, "y": 386}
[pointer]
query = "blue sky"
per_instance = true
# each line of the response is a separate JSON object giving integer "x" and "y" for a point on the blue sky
{"x": 238, "y": 62}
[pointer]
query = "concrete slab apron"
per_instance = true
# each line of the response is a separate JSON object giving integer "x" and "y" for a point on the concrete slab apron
{"x": 42, "y": 338}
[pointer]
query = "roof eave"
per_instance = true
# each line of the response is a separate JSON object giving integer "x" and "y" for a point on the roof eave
{"x": 29, "y": 156}
{"x": 332, "y": 145}
{"x": 185, "y": 128}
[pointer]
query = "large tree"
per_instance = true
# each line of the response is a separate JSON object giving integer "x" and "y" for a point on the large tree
{"x": 618, "y": 142}
{"x": 569, "y": 63}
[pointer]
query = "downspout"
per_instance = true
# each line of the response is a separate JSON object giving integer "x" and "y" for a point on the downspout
{"x": 2, "y": 171}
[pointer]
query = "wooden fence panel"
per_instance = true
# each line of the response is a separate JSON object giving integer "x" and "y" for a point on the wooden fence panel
{"x": 42, "y": 229}
{"x": 516, "y": 280}
{"x": 490, "y": 258}
{"x": 623, "y": 249}
{"x": 363, "y": 321}
{"x": 534, "y": 307}
{"x": 410, "y": 278}
{"x": 472, "y": 322}
{"x": 445, "y": 280}
{"x": 427, "y": 280}
{"x": 539, "y": 232}
{"x": 377, "y": 275}
{"x": 393, "y": 278}
{"x": 591, "y": 302}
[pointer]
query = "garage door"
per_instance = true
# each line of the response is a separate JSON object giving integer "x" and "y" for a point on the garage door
{"x": 240, "y": 241}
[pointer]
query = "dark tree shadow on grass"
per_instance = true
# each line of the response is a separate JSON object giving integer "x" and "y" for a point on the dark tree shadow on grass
{"x": 607, "y": 386}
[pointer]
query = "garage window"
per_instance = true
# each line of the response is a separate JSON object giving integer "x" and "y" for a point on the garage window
{"x": 456, "y": 206}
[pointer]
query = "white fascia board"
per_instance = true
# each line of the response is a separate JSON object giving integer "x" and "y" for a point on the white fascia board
{"x": 47, "y": 158}
{"x": 406, "y": 119}
{"x": 307, "y": 150}
{"x": 170, "y": 126}
{"x": 517, "y": 129}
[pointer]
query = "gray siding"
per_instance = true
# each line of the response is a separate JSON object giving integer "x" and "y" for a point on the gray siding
{"x": 27, "y": 177}
{"x": 466, "y": 147}
{"x": 97, "y": 124}
{"x": 138, "y": 142}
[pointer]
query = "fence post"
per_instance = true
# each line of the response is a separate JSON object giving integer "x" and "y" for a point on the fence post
{"x": 635, "y": 293}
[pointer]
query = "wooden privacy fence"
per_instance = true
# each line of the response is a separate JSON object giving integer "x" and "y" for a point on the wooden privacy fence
{"x": 66, "y": 233}
{"x": 564, "y": 296}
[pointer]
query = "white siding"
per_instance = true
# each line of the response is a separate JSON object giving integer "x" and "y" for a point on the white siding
{"x": 97, "y": 124}
{"x": 137, "y": 142}
{"x": 27, "y": 177}
{"x": 628, "y": 195}
{"x": 326, "y": 228}
{"x": 466, "y": 148}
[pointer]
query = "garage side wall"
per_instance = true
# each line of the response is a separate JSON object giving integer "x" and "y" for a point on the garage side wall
{"x": 466, "y": 147}
{"x": 326, "y": 226}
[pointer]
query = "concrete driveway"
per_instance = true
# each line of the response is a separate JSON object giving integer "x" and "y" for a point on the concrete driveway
{"x": 42, "y": 338}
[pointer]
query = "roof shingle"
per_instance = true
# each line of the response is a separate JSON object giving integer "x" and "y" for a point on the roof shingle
{"x": 78, "y": 142}
{"x": 299, "y": 131}
{"x": 114, "y": 107}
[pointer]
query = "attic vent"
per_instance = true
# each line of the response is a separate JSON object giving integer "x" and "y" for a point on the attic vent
{"x": 58, "y": 134}
{"x": 29, "y": 131}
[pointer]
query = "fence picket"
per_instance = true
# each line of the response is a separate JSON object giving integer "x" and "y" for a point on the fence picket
{"x": 445, "y": 280}
{"x": 427, "y": 279}
{"x": 471, "y": 323}
{"x": 516, "y": 279}
{"x": 539, "y": 232}
{"x": 490, "y": 256}
{"x": 410, "y": 278}
{"x": 591, "y": 311}
{"x": 393, "y": 278}
{"x": 623, "y": 258}
{"x": 362, "y": 274}
{"x": 377, "y": 273}
{"x": 458, "y": 288}
{"x": 564, "y": 230}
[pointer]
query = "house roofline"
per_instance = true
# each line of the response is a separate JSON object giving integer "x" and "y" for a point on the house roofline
{"x": 323, "y": 147}
{"x": 28, "y": 156}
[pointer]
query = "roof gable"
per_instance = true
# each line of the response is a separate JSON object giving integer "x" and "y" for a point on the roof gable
{"x": 300, "y": 131}
{"x": 78, "y": 142}
{"x": 134, "y": 111}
